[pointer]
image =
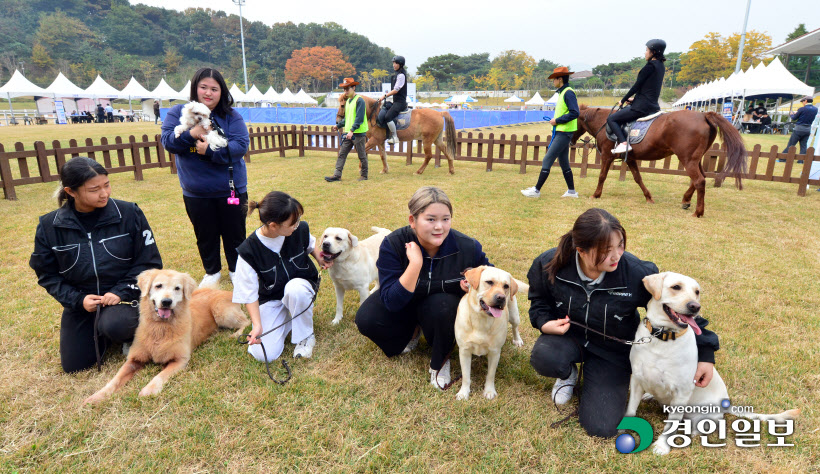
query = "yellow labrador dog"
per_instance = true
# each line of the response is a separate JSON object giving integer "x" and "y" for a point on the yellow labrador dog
{"x": 175, "y": 317}
{"x": 354, "y": 262}
{"x": 665, "y": 367}
{"x": 481, "y": 322}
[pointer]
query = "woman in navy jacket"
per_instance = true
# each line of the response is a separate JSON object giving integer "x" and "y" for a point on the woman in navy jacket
{"x": 87, "y": 255}
{"x": 590, "y": 279}
{"x": 214, "y": 183}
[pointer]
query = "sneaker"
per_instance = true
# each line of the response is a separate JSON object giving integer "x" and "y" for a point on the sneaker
{"x": 331, "y": 179}
{"x": 562, "y": 390}
{"x": 571, "y": 193}
{"x": 210, "y": 280}
{"x": 443, "y": 376}
{"x": 126, "y": 346}
{"x": 531, "y": 192}
{"x": 362, "y": 178}
{"x": 305, "y": 347}
{"x": 413, "y": 342}
{"x": 622, "y": 147}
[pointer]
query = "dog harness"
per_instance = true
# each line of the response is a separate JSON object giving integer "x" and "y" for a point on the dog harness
{"x": 662, "y": 333}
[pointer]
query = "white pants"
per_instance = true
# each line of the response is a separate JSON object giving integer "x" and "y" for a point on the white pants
{"x": 297, "y": 298}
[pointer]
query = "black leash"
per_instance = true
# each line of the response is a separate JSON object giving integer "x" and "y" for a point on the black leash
{"x": 133, "y": 304}
{"x": 243, "y": 339}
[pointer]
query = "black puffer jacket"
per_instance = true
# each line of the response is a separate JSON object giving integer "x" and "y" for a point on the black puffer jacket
{"x": 612, "y": 308}
{"x": 71, "y": 263}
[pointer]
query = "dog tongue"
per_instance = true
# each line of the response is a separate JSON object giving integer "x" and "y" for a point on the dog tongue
{"x": 164, "y": 313}
{"x": 691, "y": 322}
{"x": 495, "y": 312}
{"x": 326, "y": 256}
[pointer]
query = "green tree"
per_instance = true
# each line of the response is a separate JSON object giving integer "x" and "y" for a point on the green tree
{"x": 798, "y": 32}
{"x": 442, "y": 67}
{"x": 63, "y": 37}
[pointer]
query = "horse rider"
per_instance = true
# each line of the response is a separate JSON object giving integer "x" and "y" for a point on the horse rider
{"x": 647, "y": 90}
{"x": 398, "y": 92}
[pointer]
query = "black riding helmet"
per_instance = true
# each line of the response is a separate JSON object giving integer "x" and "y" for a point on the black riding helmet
{"x": 399, "y": 59}
{"x": 656, "y": 45}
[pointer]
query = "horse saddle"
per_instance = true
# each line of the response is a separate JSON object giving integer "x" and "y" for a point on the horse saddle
{"x": 402, "y": 120}
{"x": 635, "y": 131}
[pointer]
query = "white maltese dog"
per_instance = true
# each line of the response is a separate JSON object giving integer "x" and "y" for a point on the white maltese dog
{"x": 195, "y": 113}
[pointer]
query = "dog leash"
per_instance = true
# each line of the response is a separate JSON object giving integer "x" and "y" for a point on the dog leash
{"x": 133, "y": 304}
{"x": 243, "y": 339}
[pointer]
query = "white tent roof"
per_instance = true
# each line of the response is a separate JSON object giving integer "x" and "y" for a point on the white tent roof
{"x": 270, "y": 96}
{"x": 460, "y": 99}
{"x": 514, "y": 98}
{"x": 135, "y": 90}
{"x": 186, "y": 90}
{"x": 62, "y": 87}
{"x": 775, "y": 79}
{"x": 99, "y": 89}
{"x": 302, "y": 98}
{"x": 287, "y": 97}
{"x": 536, "y": 100}
{"x": 238, "y": 95}
{"x": 19, "y": 86}
{"x": 165, "y": 92}
{"x": 254, "y": 95}
{"x": 553, "y": 99}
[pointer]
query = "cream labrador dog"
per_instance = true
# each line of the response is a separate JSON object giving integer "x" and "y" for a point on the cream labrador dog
{"x": 481, "y": 322}
{"x": 664, "y": 368}
{"x": 353, "y": 262}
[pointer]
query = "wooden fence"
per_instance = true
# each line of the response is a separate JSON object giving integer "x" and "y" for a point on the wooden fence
{"x": 136, "y": 156}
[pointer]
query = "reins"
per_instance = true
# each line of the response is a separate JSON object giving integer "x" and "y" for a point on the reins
{"x": 602, "y": 125}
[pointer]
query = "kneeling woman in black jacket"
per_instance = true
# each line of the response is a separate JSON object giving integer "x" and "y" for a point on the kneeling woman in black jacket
{"x": 87, "y": 255}
{"x": 590, "y": 279}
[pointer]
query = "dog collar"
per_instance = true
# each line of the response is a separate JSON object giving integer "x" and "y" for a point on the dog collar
{"x": 663, "y": 334}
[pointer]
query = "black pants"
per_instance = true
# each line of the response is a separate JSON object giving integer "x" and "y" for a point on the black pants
{"x": 621, "y": 117}
{"x": 117, "y": 324}
{"x": 606, "y": 384}
{"x": 559, "y": 148}
{"x": 800, "y": 135}
{"x": 394, "y": 111}
{"x": 359, "y": 141}
{"x": 391, "y": 331}
{"x": 214, "y": 218}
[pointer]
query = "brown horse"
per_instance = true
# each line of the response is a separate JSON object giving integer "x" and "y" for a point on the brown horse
{"x": 684, "y": 133}
{"x": 425, "y": 125}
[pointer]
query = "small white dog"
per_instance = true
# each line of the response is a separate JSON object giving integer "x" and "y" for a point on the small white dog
{"x": 354, "y": 262}
{"x": 195, "y": 113}
{"x": 665, "y": 366}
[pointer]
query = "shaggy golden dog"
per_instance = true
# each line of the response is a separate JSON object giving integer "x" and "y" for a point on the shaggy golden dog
{"x": 175, "y": 317}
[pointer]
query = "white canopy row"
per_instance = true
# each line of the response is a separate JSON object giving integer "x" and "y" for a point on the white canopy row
{"x": 773, "y": 80}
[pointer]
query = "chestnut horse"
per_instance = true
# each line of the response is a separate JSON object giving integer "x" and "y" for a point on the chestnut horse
{"x": 684, "y": 133}
{"x": 425, "y": 125}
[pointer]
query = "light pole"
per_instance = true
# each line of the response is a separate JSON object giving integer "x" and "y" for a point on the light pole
{"x": 242, "y": 36}
{"x": 743, "y": 36}
{"x": 23, "y": 67}
{"x": 672, "y": 75}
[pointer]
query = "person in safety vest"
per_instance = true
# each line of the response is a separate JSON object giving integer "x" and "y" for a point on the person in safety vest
{"x": 565, "y": 123}
{"x": 354, "y": 126}
{"x": 398, "y": 92}
{"x": 647, "y": 90}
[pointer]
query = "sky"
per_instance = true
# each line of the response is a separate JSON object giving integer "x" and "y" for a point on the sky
{"x": 578, "y": 33}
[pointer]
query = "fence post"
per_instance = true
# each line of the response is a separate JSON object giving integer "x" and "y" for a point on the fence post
{"x": 301, "y": 140}
{"x": 409, "y": 158}
{"x": 523, "y": 168}
{"x": 90, "y": 143}
{"x": 163, "y": 162}
{"x": 135, "y": 158}
{"x": 721, "y": 152}
{"x": 754, "y": 158}
{"x": 622, "y": 175}
{"x": 21, "y": 162}
{"x": 771, "y": 163}
{"x": 808, "y": 158}
{"x": 42, "y": 161}
{"x": 584, "y": 160}
{"x": 6, "y": 177}
{"x": 281, "y": 136}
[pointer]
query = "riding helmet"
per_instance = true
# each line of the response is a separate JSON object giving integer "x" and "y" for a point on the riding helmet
{"x": 657, "y": 45}
{"x": 399, "y": 59}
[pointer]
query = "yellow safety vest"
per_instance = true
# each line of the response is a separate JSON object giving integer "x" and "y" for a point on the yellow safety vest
{"x": 350, "y": 115}
{"x": 561, "y": 109}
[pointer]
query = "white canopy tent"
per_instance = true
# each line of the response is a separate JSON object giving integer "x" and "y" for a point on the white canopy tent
{"x": 514, "y": 99}
{"x": 536, "y": 100}
{"x": 63, "y": 88}
{"x": 134, "y": 90}
{"x": 186, "y": 90}
{"x": 301, "y": 97}
{"x": 165, "y": 92}
{"x": 270, "y": 96}
{"x": 460, "y": 99}
{"x": 19, "y": 86}
{"x": 287, "y": 97}
{"x": 99, "y": 89}
{"x": 238, "y": 95}
{"x": 254, "y": 95}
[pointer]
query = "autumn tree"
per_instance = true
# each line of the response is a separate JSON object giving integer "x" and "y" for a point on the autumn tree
{"x": 378, "y": 76}
{"x": 172, "y": 59}
{"x": 318, "y": 65}
{"x": 425, "y": 82}
{"x": 716, "y": 56}
{"x": 458, "y": 82}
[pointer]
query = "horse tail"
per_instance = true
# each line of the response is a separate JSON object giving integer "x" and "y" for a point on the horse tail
{"x": 736, "y": 165}
{"x": 450, "y": 134}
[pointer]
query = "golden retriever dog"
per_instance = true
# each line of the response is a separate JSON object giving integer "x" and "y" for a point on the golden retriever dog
{"x": 354, "y": 263}
{"x": 481, "y": 322}
{"x": 665, "y": 367}
{"x": 175, "y": 318}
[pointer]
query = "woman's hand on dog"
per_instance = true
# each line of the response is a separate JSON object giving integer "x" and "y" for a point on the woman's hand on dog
{"x": 556, "y": 326}
{"x": 201, "y": 146}
{"x": 703, "y": 374}
{"x": 198, "y": 132}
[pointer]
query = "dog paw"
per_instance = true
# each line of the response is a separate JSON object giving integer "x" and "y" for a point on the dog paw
{"x": 152, "y": 388}
{"x": 337, "y": 319}
{"x": 518, "y": 342}
{"x": 94, "y": 399}
{"x": 490, "y": 393}
{"x": 463, "y": 394}
{"x": 660, "y": 449}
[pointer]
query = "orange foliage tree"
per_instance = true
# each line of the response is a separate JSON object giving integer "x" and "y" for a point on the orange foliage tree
{"x": 319, "y": 65}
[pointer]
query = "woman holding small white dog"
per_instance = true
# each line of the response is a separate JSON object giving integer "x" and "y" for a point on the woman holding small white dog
{"x": 591, "y": 280}
{"x": 214, "y": 183}
{"x": 421, "y": 283}
{"x": 276, "y": 280}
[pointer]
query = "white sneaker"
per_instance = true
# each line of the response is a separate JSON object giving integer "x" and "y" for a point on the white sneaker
{"x": 413, "y": 343}
{"x": 231, "y": 274}
{"x": 443, "y": 376}
{"x": 622, "y": 147}
{"x": 126, "y": 347}
{"x": 210, "y": 280}
{"x": 531, "y": 192}
{"x": 305, "y": 347}
{"x": 392, "y": 140}
{"x": 571, "y": 193}
{"x": 562, "y": 390}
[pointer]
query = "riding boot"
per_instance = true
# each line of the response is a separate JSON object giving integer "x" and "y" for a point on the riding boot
{"x": 393, "y": 137}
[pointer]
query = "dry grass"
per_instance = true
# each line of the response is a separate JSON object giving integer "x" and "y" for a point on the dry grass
{"x": 350, "y": 408}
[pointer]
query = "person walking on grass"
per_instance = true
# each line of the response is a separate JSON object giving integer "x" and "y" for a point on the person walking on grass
{"x": 804, "y": 118}
{"x": 565, "y": 123}
{"x": 354, "y": 128}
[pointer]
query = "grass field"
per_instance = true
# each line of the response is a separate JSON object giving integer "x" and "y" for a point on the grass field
{"x": 349, "y": 408}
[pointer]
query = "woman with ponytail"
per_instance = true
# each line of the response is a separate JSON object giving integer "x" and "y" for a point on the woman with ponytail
{"x": 87, "y": 255}
{"x": 590, "y": 280}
